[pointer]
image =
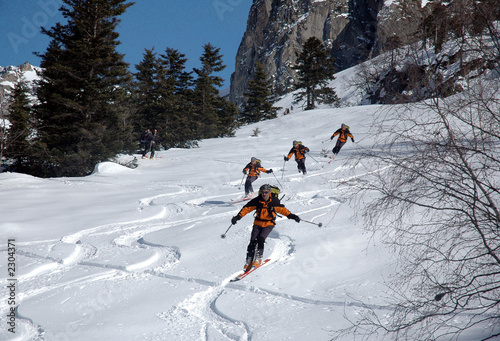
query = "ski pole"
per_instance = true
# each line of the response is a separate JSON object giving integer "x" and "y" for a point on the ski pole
{"x": 241, "y": 181}
{"x": 310, "y": 222}
{"x": 277, "y": 180}
{"x": 283, "y": 169}
{"x": 224, "y": 234}
{"x": 313, "y": 158}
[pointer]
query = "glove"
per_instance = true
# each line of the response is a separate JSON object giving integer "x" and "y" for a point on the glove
{"x": 245, "y": 172}
{"x": 352, "y": 139}
{"x": 269, "y": 171}
{"x": 331, "y": 138}
{"x": 294, "y": 217}
{"x": 286, "y": 159}
{"x": 235, "y": 219}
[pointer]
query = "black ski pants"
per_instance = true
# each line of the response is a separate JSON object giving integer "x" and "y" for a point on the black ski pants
{"x": 337, "y": 147}
{"x": 153, "y": 145}
{"x": 149, "y": 146}
{"x": 248, "y": 184}
{"x": 301, "y": 165}
{"x": 257, "y": 240}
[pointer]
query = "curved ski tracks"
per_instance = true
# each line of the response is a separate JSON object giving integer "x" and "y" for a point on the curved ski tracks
{"x": 87, "y": 247}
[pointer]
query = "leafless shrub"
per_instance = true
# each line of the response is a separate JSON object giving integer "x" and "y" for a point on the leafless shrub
{"x": 438, "y": 206}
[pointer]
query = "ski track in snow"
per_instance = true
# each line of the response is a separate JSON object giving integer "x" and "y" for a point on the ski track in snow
{"x": 200, "y": 310}
{"x": 95, "y": 246}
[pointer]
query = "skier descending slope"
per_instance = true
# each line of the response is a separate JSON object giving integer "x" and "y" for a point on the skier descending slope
{"x": 266, "y": 207}
{"x": 253, "y": 168}
{"x": 299, "y": 150}
{"x": 343, "y": 133}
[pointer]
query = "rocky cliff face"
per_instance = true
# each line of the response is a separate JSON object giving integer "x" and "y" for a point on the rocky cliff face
{"x": 354, "y": 29}
{"x": 276, "y": 30}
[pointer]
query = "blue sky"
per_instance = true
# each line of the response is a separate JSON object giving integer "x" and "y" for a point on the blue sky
{"x": 185, "y": 25}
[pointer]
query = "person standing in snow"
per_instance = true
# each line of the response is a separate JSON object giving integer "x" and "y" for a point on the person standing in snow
{"x": 154, "y": 141}
{"x": 253, "y": 168}
{"x": 142, "y": 138}
{"x": 266, "y": 206}
{"x": 343, "y": 133}
{"x": 299, "y": 150}
{"x": 149, "y": 143}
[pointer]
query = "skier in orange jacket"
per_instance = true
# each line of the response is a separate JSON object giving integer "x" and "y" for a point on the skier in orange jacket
{"x": 253, "y": 168}
{"x": 343, "y": 133}
{"x": 299, "y": 150}
{"x": 266, "y": 206}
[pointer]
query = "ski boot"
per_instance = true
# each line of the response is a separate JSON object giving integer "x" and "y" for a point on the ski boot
{"x": 248, "y": 264}
{"x": 257, "y": 261}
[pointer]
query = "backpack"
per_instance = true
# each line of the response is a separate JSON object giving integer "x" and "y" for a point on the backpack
{"x": 275, "y": 191}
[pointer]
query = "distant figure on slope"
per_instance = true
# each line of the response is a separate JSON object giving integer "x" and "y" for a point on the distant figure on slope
{"x": 343, "y": 133}
{"x": 149, "y": 144}
{"x": 154, "y": 142}
{"x": 253, "y": 168}
{"x": 266, "y": 206}
{"x": 142, "y": 138}
{"x": 299, "y": 150}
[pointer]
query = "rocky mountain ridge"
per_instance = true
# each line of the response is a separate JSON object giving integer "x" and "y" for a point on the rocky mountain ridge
{"x": 10, "y": 75}
{"x": 355, "y": 30}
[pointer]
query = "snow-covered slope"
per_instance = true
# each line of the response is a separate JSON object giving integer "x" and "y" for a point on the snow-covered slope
{"x": 136, "y": 254}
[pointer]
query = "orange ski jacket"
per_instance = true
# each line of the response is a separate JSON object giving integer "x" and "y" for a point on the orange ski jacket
{"x": 265, "y": 211}
{"x": 343, "y": 134}
{"x": 254, "y": 169}
{"x": 299, "y": 152}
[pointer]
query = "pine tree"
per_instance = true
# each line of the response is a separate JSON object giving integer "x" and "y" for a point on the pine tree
{"x": 163, "y": 98}
{"x": 228, "y": 113}
{"x": 260, "y": 99}
{"x": 21, "y": 127}
{"x": 215, "y": 116}
{"x": 175, "y": 91}
{"x": 145, "y": 92}
{"x": 81, "y": 95}
{"x": 315, "y": 69}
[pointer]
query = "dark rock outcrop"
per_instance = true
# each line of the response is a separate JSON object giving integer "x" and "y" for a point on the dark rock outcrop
{"x": 355, "y": 30}
{"x": 276, "y": 31}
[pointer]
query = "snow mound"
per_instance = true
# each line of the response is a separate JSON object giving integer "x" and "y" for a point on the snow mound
{"x": 17, "y": 179}
{"x": 110, "y": 168}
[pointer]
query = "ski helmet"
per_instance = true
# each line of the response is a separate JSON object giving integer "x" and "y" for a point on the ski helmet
{"x": 253, "y": 159}
{"x": 343, "y": 126}
{"x": 295, "y": 142}
{"x": 265, "y": 187}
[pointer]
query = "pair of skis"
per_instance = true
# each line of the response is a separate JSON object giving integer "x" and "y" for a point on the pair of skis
{"x": 236, "y": 201}
{"x": 248, "y": 272}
